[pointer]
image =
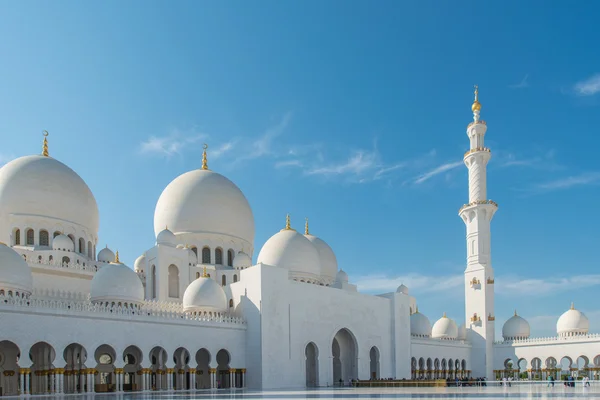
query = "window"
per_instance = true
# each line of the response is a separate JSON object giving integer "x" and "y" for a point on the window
{"x": 234, "y": 278}
{"x": 153, "y": 293}
{"x": 197, "y": 275}
{"x": 44, "y": 240}
{"x": 30, "y": 237}
{"x": 219, "y": 256}
{"x": 18, "y": 236}
{"x": 230, "y": 257}
{"x": 231, "y": 303}
{"x": 66, "y": 260}
{"x": 55, "y": 234}
{"x": 173, "y": 281}
{"x": 223, "y": 280}
{"x": 90, "y": 249}
{"x": 72, "y": 240}
{"x": 206, "y": 255}
{"x": 195, "y": 250}
{"x": 81, "y": 246}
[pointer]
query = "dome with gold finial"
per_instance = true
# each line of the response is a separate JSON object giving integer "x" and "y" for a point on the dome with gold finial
{"x": 329, "y": 265}
{"x": 203, "y": 202}
{"x": 476, "y": 104}
{"x": 572, "y": 322}
{"x": 42, "y": 191}
{"x": 516, "y": 328}
{"x": 116, "y": 282}
{"x": 444, "y": 328}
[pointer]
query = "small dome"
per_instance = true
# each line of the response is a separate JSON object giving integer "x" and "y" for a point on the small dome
{"x": 327, "y": 259}
{"x": 180, "y": 246}
{"x": 204, "y": 294}
{"x": 444, "y": 328}
{"x": 242, "y": 260}
{"x": 402, "y": 289}
{"x": 116, "y": 282}
{"x": 166, "y": 238}
{"x": 192, "y": 257}
{"x": 140, "y": 263}
{"x": 341, "y": 276}
{"x": 290, "y": 250}
{"x": 516, "y": 328}
{"x": 63, "y": 242}
{"x": 573, "y": 322}
{"x": 420, "y": 325}
{"x": 106, "y": 255}
{"x": 462, "y": 332}
{"x": 15, "y": 273}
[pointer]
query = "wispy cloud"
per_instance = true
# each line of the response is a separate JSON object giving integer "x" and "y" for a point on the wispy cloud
{"x": 380, "y": 283}
{"x": 523, "y": 84}
{"x": 170, "y": 145}
{"x": 587, "y": 178}
{"x": 542, "y": 160}
{"x": 223, "y": 149}
{"x": 436, "y": 171}
{"x": 588, "y": 87}
{"x": 357, "y": 164}
{"x": 511, "y": 285}
{"x": 264, "y": 144}
{"x": 288, "y": 163}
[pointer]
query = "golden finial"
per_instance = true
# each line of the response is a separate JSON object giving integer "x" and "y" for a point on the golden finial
{"x": 45, "y": 145}
{"x": 306, "y": 227}
{"x": 204, "y": 274}
{"x": 515, "y": 312}
{"x": 476, "y": 104}
{"x": 288, "y": 224}
{"x": 572, "y": 306}
{"x": 416, "y": 309}
{"x": 117, "y": 258}
{"x": 444, "y": 316}
{"x": 204, "y": 160}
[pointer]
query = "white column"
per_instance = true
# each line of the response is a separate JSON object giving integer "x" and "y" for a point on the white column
{"x": 193, "y": 378}
{"x": 21, "y": 381}
{"x": 52, "y": 381}
{"x": 27, "y": 379}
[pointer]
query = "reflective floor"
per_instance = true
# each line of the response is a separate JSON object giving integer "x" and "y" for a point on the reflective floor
{"x": 521, "y": 391}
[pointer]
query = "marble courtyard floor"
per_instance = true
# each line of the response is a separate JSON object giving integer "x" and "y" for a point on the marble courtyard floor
{"x": 517, "y": 391}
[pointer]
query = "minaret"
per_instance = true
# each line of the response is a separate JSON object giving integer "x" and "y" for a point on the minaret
{"x": 479, "y": 275}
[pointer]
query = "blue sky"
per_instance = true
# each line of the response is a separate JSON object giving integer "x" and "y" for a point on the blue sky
{"x": 350, "y": 113}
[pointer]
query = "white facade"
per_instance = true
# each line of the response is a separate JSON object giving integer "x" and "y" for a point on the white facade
{"x": 195, "y": 313}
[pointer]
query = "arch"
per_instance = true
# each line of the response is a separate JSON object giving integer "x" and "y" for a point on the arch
{"x": 81, "y": 246}
{"x": 55, "y": 234}
{"x": 105, "y": 357}
{"x": 43, "y": 237}
{"x": 17, "y": 237}
{"x": 158, "y": 360}
{"x": 153, "y": 283}
{"x": 413, "y": 368}
{"x": 29, "y": 237}
{"x": 421, "y": 367}
{"x": 436, "y": 368}
{"x": 9, "y": 361}
{"x": 42, "y": 356}
{"x": 197, "y": 275}
{"x": 133, "y": 358}
{"x": 206, "y": 255}
{"x": 203, "y": 369}
{"x": 223, "y": 376}
{"x": 75, "y": 356}
{"x": 72, "y": 237}
{"x": 235, "y": 278}
{"x": 90, "y": 249}
{"x": 219, "y": 256}
{"x": 230, "y": 258}
{"x": 66, "y": 260}
{"x": 374, "y": 357}
{"x": 312, "y": 365}
{"x": 230, "y": 302}
{"x": 429, "y": 366}
{"x": 181, "y": 376}
{"x": 566, "y": 363}
{"x": 173, "y": 281}
{"x": 223, "y": 280}
{"x": 345, "y": 356}
{"x": 195, "y": 250}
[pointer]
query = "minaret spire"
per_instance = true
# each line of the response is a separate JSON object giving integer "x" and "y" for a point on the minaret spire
{"x": 477, "y": 215}
{"x": 306, "y": 227}
{"x": 45, "y": 145}
{"x": 204, "y": 160}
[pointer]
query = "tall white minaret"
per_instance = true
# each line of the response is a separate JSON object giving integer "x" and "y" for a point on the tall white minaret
{"x": 479, "y": 275}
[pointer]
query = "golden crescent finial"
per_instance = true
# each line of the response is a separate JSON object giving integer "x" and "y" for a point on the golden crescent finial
{"x": 306, "y": 227}
{"x": 204, "y": 160}
{"x": 45, "y": 145}
{"x": 476, "y": 104}
{"x": 117, "y": 257}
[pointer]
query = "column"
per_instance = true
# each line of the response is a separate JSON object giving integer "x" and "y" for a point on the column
{"x": 243, "y": 377}
{"x": 22, "y": 381}
{"x": 170, "y": 378}
{"x": 192, "y": 378}
{"x": 213, "y": 379}
{"x": 52, "y": 381}
{"x": 231, "y": 378}
{"x": 119, "y": 375}
{"x": 27, "y": 379}
{"x": 180, "y": 381}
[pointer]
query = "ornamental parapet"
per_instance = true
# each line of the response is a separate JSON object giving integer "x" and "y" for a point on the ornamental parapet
{"x": 552, "y": 339}
{"x": 477, "y": 149}
{"x": 480, "y": 122}
{"x": 40, "y": 259}
{"x": 71, "y": 303}
{"x": 473, "y": 203}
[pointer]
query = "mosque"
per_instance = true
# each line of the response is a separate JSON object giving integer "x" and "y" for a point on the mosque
{"x": 195, "y": 312}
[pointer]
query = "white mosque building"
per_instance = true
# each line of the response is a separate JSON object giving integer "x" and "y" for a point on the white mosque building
{"x": 196, "y": 312}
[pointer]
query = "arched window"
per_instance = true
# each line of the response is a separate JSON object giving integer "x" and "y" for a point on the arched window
{"x": 72, "y": 240}
{"x": 223, "y": 280}
{"x": 173, "y": 281}
{"x": 195, "y": 250}
{"x": 18, "y": 237}
{"x": 197, "y": 275}
{"x": 50, "y": 259}
{"x": 206, "y": 255}
{"x": 230, "y": 302}
{"x": 55, "y": 234}
{"x": 81, "y": 245}
{"x": 153, "y": 292}
{"x": 90, "y": 249}
{"x": 234, "y": 278}
{"x": 230, "y": 257}
{"x": 44, "y": 240}
{"x": 29, "y": 237}
{"x": 66, "y": 260}
{"x": 219, "y": 256}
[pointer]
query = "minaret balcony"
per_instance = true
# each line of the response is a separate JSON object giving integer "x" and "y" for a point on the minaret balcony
{"x": 479, "y": 122}
{"x": 478, "y": 202}
{"x": 475, "y": 150}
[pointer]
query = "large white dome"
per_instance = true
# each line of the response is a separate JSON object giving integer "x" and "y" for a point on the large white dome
{"x": 116, "y": 282}
{"x": 420, "y": 325}
{"x": 15, "y": 273}
{"x": 202, "y": 201}
{"x": 329, "y": 265}
{"x": 572, "y": 322}
{"x": 516, "y": 328}
{"x": 444, "y": 328}
{"x": 290, "y": 250}
{"x": 204, "y": 294}
{"x": 42, "y": 186}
